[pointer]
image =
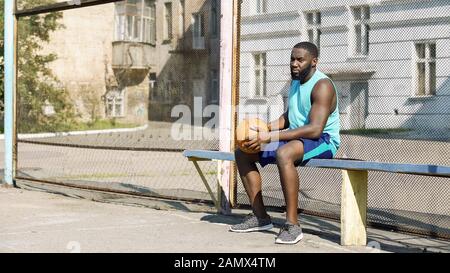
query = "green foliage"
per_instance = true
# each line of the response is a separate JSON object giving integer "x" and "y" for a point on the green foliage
{"x": 101, "y": 125}
{"x": 36, "y": 82}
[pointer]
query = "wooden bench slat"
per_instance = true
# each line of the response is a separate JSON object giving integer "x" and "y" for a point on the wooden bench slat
{"x": 403, "y": 168}
{"x": 357, "y": 165}
{"x": 212, "y": 155}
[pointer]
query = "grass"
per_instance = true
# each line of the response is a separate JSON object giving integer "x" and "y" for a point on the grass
{"x": 101, "y": 125}
{"x": 86, "y": 126}
{"x": 374, "y": 131}
{"x": 121, "y": 175}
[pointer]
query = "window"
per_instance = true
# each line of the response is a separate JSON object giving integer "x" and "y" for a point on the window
{"x": 198, "y": 89}
{"x": 214, "y": 17}
{"x": 135, "y": 21}
{"x": 198, "y": 31}
{"x": 214, "y": 86}
{"x": 259, "y": 79}
{"x": 181, "y": 17}
{"x": 151, "y": 22}
{"x": 359, "y": 31}
{"x": 312, "y": 29}
{"x": 152, "y": 85}
{"x": 259, "y": 6}
{"x": 115, "y": 103}
{"x": 425, "y": 69}
{"x": 167, "y": 21}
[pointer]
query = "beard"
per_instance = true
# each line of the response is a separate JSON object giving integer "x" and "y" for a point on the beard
{"x": 302, "y": 74}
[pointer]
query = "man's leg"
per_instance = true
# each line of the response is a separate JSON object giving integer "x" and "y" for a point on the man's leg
{"x": 251, "y": 178}
{"x": 286, "y": 156}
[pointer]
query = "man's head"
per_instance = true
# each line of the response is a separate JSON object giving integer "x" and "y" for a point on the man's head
{"x": 304, "y": 58}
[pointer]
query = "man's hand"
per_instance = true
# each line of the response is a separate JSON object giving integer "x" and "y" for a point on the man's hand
{"x": 257, "y": 128}
{"x": 256, "y": 141}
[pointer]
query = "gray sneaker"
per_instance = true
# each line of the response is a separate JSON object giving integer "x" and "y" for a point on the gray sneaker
{"x": 289, "y": 234}
{"x": 252, "y": 223}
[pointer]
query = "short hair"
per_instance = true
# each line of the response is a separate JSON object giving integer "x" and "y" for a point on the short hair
{"x": 310, "y": 47}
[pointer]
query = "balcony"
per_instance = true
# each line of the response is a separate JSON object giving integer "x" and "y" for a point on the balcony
{"x": 131, "y": 61}
{"x": 132, "y": 55}
{"x": 189, "y": 45}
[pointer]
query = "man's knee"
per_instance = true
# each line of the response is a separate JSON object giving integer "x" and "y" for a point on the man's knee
{"x": 240, "y": 156}
{"x": 238, "y": 153}
{"x": 244, "y": 158}
{"x": 284, "y": 156}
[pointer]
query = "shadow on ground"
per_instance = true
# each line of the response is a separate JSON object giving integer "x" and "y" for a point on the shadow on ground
{"x": 330, "y": 231}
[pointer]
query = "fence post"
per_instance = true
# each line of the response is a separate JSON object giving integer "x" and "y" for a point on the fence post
{"x": 10, "y": 61}
{"x": 229, "y": 61}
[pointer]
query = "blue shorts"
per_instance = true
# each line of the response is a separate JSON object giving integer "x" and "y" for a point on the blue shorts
{"x": 313, "y": 148}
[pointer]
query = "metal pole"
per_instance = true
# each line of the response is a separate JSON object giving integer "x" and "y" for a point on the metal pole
{"x": 226, "y": 109}
{"x": 235, "y": 93}
{"x": 9, "y": 89}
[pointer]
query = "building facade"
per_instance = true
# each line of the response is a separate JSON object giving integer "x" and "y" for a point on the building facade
{"x": 134, "y": 60}
{"x": 389, "y": 58}
{"x": 188, "y": 54}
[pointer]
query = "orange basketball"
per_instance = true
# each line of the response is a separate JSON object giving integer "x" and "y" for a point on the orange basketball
{"x": 243, "y": 132}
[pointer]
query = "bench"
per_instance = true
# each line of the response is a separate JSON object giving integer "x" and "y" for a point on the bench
{"x": 354, "y": 186}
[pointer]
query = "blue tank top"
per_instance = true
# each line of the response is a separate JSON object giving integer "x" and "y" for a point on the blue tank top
{"x": 300, "y": 106}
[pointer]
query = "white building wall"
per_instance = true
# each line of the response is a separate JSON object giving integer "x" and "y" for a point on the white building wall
{"x": 394, "y": 27}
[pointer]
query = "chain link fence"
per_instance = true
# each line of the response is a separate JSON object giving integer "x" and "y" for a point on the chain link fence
{"x": 110, "y": 95}
{"x": 147, "y": 70}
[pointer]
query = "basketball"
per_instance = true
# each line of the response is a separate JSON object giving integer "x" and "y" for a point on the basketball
{"x": 243, "y": 132}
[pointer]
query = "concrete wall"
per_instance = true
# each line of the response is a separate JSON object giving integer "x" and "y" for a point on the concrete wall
{"x": 84, "y": 50}
{"x": 183, "y": 72}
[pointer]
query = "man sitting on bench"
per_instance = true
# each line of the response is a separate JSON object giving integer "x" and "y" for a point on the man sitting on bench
{"x": 312, "y": 120}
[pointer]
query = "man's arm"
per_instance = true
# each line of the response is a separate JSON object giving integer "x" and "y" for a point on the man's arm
{"x": 323, "y": 97}
{"x": 280, "y": 124}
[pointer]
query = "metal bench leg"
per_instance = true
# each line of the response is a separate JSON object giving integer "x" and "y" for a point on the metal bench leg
{"x": 216, "y": 203}
{"x": 354, "y": 208}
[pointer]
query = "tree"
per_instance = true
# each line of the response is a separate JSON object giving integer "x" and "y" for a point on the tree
{"x": 37, "y": 86}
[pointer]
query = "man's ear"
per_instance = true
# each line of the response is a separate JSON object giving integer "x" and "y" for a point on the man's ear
{"x": 314, "y": 62}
